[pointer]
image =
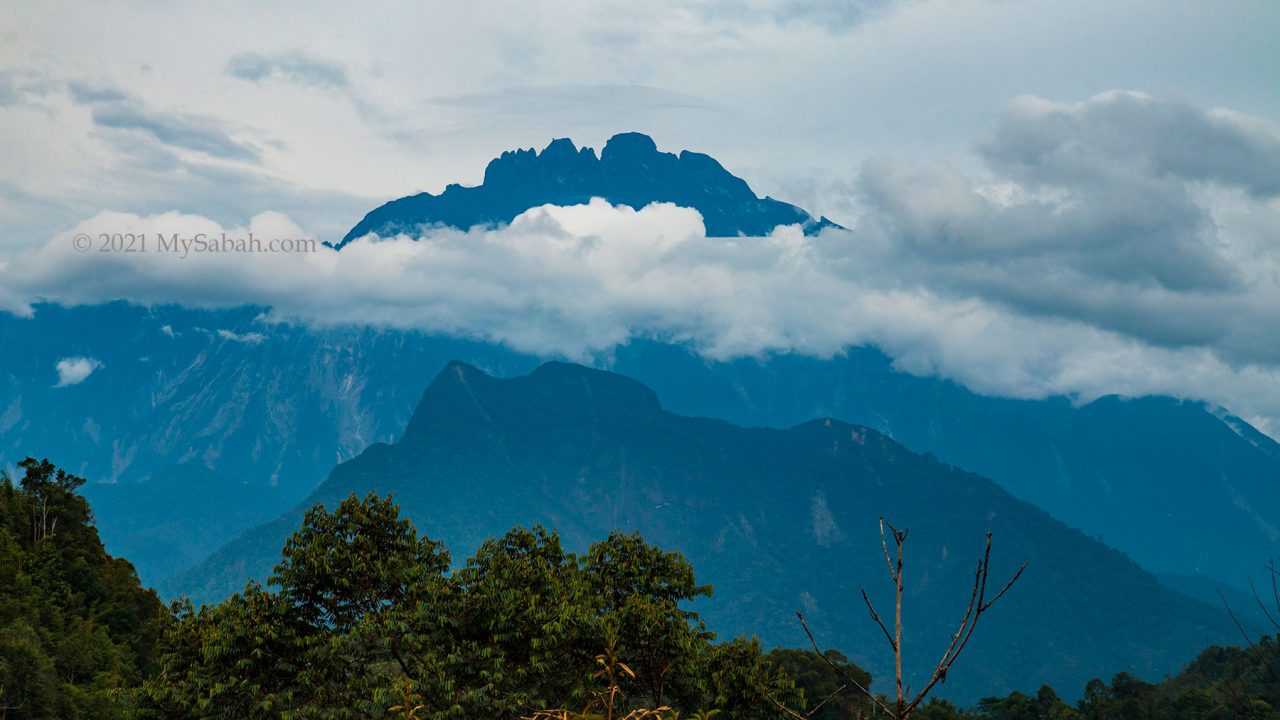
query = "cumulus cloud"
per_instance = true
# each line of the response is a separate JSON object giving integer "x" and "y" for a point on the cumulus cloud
{"x": 1117, "y": 212}
{"x": 1131, "y": 133}
{"x": 75, "y": 370}
{"x": 576, "y": 281}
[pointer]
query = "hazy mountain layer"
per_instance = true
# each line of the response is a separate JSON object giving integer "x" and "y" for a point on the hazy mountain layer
{"x": 229, "y": 432}
{"x": 199, "y": 424}
{"x": 777, "y": 520}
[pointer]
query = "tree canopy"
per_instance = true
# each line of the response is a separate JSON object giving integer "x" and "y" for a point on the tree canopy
{"x": 363, "y": 614}
{"x": 76, "y": 627}
{"x": 365, "y": 618}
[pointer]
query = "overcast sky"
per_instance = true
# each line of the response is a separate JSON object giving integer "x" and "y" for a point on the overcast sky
{"x": 1058, "y": 196}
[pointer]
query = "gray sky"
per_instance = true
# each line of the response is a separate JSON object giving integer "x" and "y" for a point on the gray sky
{"x": 1050, "y": 196}
{"x": 304, "y": 108}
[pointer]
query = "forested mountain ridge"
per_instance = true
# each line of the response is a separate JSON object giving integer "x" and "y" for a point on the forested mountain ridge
{"x": 776, "y": 520}
{"x": 366, "y": 618}
{"x": 76, "y": 627}
{"x": 170, "y": 419}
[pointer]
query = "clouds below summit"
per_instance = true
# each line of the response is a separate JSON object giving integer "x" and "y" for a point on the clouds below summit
{"x": 1066, "y": 267}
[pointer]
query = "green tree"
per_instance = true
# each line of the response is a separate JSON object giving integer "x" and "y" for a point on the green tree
{"x": 1046, "y": 705}
{"x": 820, "y": 681}
{"x": 639, "y": 590}
{"x": 363, "y": 615}
{"x": 360, "y": 559}
{"x": 76, "y": 627}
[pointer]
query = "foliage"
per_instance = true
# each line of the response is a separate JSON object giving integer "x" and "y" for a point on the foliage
{"x": 75, "y": 625}
{"x": 820, "y": 681}
{"x": 1220, "y": 684}
{"x": 364, "y": 619}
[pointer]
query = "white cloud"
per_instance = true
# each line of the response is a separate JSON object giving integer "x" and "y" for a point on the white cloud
{"x": 576, "y": 281}
{"x": 1101, "y": 246}
{"x": 294, "y": 67}
{"x": 75, "y": 370}
{"x": 252, "y": 338}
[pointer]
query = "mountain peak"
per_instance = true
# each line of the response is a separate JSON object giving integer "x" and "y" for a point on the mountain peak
{"x": 562, "y": 147}
{"x": 629, "y": 144}
{"x": 565, "y": 393}
{"x": 630, "y": 170}
{"x": 617, "y": 392}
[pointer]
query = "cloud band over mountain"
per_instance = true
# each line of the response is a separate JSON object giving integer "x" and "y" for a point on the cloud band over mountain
{"x": 1124, "y": 244}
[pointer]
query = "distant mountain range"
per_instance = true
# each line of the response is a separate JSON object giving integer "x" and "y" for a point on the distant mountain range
{"x": 207, "y": 422}
{"x": 1179, "y": 486}
{"x": 200, "y": 424}
{"x": 629, "y": 171}
{"x": 776, "y": 520}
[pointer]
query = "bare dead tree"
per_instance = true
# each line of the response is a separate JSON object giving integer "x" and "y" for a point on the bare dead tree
{"x": 1271, "y": 678}
{"x": 905, "y": 705}
{"x": 41, "y": 528}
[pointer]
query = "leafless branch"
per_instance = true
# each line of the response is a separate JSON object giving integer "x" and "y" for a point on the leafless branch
{"x": 1253, "y": 647}
{"x": 875, "y": 616}
{"x": 839, "y": 670}
{"x": 978, "y": 604}
{"x": 814, "y": 710}
{"x": 884, "y": 544}
{"x": 1006, "y": 587}
{"x": 1262, "y": 605}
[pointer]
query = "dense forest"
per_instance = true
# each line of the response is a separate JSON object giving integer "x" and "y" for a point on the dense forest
{"x": 365, "y": 618}
{"x": 77, "y": 631}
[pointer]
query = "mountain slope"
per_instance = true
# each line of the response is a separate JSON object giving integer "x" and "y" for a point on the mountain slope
{"x": 629, "y": 171}
{"x": 777, "y": 520}
{"x": 200, "y": 424}
{"x": 1175, "y": 485}
{"x": 224, "y": 433}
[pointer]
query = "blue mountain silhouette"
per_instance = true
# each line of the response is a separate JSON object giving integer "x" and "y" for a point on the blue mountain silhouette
{"x": 629, "y": 171}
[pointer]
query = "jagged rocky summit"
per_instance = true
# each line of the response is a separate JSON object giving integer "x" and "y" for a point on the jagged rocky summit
{"x": 630, "y": 170}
